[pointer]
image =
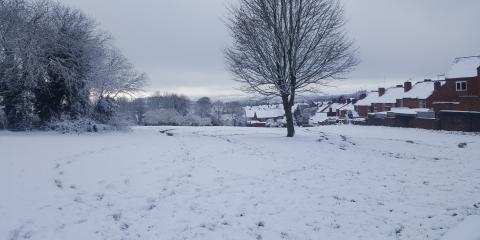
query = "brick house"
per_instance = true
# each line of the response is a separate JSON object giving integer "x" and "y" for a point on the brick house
{"x": 364, "y": 106}
{"x": 387, "y": 98}
{"x": 419, "y": 95}
{"x": 379, "y": 101}
{"x": 461, "y": 91}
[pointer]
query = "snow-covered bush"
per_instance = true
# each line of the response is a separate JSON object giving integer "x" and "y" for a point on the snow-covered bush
{"x": 163, "y": 117}
{"x": 272, "y": 124}
{"x": 195, "y": 120}
{"x": 73, "y": 126}
{"x": 170, "y": 117}
{"x": 105, "y": 110}
{"x": 58, "y": 59}
{"x": 82, "y": 125}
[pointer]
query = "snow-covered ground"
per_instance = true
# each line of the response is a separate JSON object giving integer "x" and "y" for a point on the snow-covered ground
{"x": 335, "y": 182}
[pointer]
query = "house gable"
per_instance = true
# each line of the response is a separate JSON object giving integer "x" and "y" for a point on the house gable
{"x": 461, "y": 90}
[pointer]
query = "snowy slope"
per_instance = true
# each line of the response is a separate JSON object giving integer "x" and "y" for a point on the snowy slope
{"x": 336, "y": 182}
{"x": 466, "y": 230}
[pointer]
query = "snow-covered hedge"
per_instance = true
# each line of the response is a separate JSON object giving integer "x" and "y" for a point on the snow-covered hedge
{"x": 105, "y": 110}
{"x": 83, "y": 125}
{"x": 166, "y": 117}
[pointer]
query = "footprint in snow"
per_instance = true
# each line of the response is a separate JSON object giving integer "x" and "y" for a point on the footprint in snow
{"x": 99, "y": 196}
{"x": 117, "y": 217}
{"x": 151, "y": 207}
{"x": 124, "y": 226}
{"x": 58, "y": 183}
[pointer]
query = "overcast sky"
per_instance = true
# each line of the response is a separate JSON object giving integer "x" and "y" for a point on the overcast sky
{"x": 179, "y": 43}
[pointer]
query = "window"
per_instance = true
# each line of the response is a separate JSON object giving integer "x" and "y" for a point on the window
{"x": 461, "y": 86}
{"x": 422, "y": 104}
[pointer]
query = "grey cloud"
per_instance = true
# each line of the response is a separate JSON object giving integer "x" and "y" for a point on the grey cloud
{"x": 179, "y": 43}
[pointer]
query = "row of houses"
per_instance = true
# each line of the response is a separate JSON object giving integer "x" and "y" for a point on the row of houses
{"x": 417, "y": 96}
{"x": 454, "y": 99}
{"x": 305, "y": 114}
{"x": 265, "y": 115}
{"x": 333, "y": 112}
{"x": 458, "y": 94}
{"x": 459, "y": 91}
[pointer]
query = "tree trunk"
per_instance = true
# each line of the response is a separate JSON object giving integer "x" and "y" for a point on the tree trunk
{"x": 287, "y": 106}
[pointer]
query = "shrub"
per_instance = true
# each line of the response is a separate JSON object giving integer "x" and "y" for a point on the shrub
{"x": 82, "y": 125}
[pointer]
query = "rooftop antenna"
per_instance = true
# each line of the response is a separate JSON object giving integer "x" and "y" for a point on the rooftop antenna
{"x": 439, "y": 76}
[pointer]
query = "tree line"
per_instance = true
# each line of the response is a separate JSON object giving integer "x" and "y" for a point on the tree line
{"x": 177, "y": 110}
{"x": 56, "y": 64}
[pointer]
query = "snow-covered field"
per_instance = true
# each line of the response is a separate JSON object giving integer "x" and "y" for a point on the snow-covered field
{"x": 336, "y": 182}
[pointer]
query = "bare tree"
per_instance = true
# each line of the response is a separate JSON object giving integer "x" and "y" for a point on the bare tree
{"x": 218, "y": 108}
{"x": 114, "y": 75}
{"x": 204, "y": 107}
{"x": 284, "y": 47}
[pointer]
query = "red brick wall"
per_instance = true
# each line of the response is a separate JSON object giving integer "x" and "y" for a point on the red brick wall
{"x": 432, "y": 124}
{"x": 468, "y": 100}
{"x": 378, "y": 107}
{"x": 411, "y": 103}
{"x": 362, "y": 110}
{"x": 465, "y": 104}
{"x": 448, "y": 90}
{"x": 478, "y": 82}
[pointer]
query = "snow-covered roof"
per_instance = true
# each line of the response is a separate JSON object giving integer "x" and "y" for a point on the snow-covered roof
{"x": 367, "y": 101}
{"x": 464, "y": 67}
{"x": 391, "y": 95}
{"x": 409, "y": 110}
{"x": 265, "y": 111}
{"x": 348, "y": 107}
{"x": 335, "y": 107}
{"x": 421, "y": 90}
{"x": 318, "y": 118}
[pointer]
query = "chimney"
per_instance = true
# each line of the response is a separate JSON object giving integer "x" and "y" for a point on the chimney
{"x": 407, "y": 86}
{"x": 437, "y": 85}
{"x": 478, "y": 71}
{"x": 381, "y": 92}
